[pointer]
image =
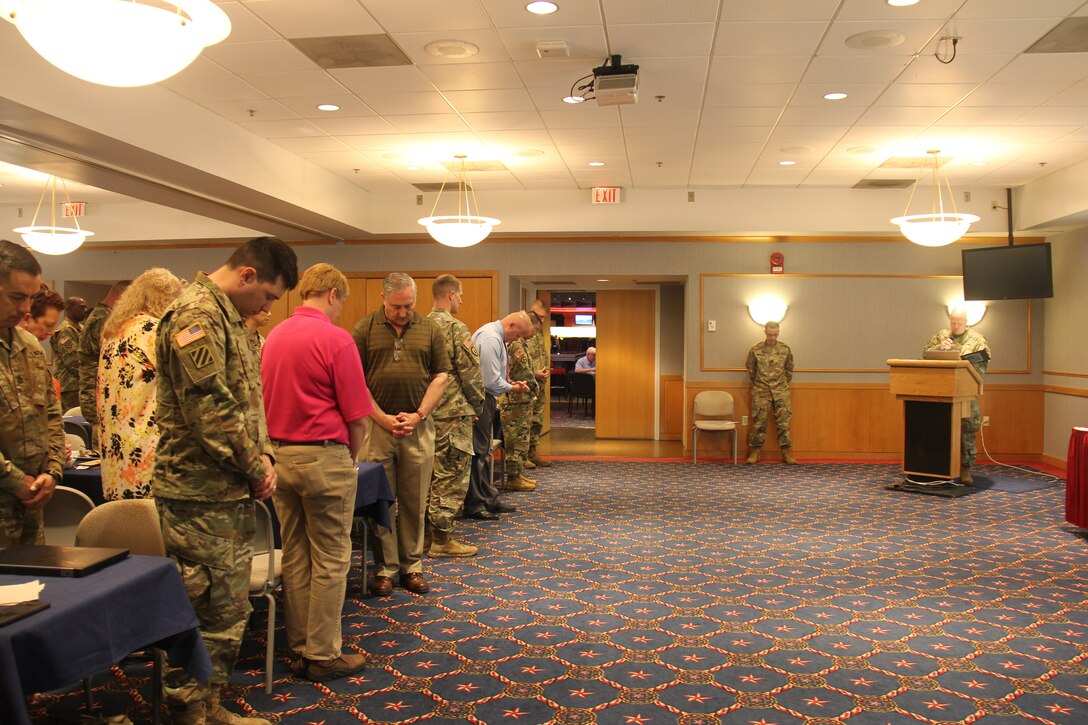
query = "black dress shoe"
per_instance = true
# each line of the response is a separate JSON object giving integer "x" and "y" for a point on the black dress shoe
{"x": 482, "y": 515}
{"x": 503, "y": 508}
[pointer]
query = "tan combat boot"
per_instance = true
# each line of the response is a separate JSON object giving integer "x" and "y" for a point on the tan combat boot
{"x": 535, "y": 459}
{"x": 186, "y": 713}
{"x": 219, "y": 715}
{"x": 520, "y": 483}
{"x": 445, "y": 546}
{"x": 965, "y": 475}
{"x": 529, "y": 465}
{"x": 787, "y": 457}
{"x": 753, "y": 456}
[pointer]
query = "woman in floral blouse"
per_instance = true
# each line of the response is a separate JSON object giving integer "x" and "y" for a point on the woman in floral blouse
{"x": 128, "y": 434}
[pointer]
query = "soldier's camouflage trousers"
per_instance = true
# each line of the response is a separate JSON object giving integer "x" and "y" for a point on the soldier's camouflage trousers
{"x": 516, "y": 422}
{"x": 762, "y": 402}
{"x": 449, "y": 481}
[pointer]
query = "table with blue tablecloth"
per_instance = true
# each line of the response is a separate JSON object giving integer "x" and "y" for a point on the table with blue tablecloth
{"x": 91, "y": 624}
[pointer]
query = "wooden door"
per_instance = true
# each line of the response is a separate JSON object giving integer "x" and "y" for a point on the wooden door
{"x": 626, "y": 363}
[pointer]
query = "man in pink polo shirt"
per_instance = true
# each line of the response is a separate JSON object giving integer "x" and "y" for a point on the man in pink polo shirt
{"x": 317, "y": 403}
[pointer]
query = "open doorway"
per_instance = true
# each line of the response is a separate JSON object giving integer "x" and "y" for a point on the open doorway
{"x": 573, "y": 359}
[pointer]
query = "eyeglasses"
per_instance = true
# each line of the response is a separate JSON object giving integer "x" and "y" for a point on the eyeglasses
{"x": 398, "y": 347}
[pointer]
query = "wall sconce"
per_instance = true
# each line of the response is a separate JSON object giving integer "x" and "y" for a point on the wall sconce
{"x": 975, "y": 310}
{"x": 767, "y": 309}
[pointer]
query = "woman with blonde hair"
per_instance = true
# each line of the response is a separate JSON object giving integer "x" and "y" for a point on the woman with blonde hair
{"x": 126, "y": 386}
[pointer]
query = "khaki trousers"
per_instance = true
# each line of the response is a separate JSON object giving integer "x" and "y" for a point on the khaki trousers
{"x": 315, "y": 501}
{"x": 408, "y": 464}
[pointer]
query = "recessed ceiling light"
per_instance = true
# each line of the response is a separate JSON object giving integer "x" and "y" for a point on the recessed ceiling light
{"x": 412, "y": 168}
{"x": 328, "y": 107}
{"x": 542, "y": 7}
{"x": 787, "y": 163}
{"x": 596, "y": 163}
{"x": 836, "y": 96}
{"x": 574, "y": 99}
{"x": 901, "y": 3}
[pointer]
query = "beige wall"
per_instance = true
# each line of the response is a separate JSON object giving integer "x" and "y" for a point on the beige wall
{"x": 1066, "y": 344}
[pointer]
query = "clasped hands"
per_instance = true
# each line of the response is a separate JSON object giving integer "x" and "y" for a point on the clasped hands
{"x": 400, "y": 425}
{"x": 36, "y": 492}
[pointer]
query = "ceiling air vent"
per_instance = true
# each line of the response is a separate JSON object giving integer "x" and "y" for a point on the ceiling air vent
{"x": 884, "y": 184}
{"x": 1068, "y": 36}
{"x": 352, "y": 51}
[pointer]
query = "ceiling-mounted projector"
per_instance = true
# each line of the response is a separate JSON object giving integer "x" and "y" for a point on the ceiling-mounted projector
{"x": 615, "y": 84}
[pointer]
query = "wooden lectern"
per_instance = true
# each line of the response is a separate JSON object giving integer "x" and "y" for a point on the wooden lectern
{"x": 936, "y": 394}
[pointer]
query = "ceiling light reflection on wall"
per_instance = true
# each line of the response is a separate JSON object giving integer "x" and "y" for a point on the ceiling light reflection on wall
{"x": 767, "y": 309}
{"x": 975, "y": 310}
{"x": 118, "y": 42}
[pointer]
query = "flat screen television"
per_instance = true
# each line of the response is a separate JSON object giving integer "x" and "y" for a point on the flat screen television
{"x": 1007, "y": 273}
{"x": 583, "y": 319}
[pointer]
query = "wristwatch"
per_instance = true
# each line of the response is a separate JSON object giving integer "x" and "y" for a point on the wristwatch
{"x": 57, "y": 477}
{"x": 422, "y": 415}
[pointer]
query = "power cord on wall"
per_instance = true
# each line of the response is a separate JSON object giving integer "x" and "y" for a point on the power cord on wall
{"x": 1049, "y": 476}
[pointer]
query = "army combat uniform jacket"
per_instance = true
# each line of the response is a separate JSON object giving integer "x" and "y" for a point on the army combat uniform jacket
{"x": 770, "y": 369}
{"x": 66, "y": 361}
{"x": 464, "y": 394}
{"x": 210, "y": 408}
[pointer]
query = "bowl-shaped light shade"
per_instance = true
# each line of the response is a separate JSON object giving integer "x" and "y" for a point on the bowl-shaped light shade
{"x": 934, "y": 230}
{"x": 767, "y": 309}
{"x": 459, "y": 231}
{"x": 119, "y": 42}
{"x": 53, "y": 240}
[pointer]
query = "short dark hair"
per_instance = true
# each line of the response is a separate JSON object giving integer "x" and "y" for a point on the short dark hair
{"x": 44, "y": 299}
{"x": 444, "y": 284}
{"x": 272, "y": 259}
{"x": 16, "y": 258}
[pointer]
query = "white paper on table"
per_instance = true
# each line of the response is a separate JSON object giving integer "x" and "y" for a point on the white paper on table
{"x": 15, "y": 593}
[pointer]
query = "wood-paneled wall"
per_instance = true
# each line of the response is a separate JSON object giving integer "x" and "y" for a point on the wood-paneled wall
{"x": 859, "y": 420}
{"x": 671, "y": 408}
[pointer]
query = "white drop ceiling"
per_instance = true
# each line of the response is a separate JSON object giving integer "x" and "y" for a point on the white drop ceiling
{"x": 729, "y": 88}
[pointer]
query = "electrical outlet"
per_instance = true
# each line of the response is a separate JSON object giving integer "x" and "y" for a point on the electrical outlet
{"x": 744, "y": 420}
{"x": 985, "y": 421}
{"x": 711, "y": 326}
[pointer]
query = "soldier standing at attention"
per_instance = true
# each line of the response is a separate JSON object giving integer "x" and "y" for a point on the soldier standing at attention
{"x": 214, "y": 457}
{"x": 540, "y": 357}
{"x": 971, "y": 346}
{"x": 517, "y": 415}
{"x": 406, "y": 365}
{"x": 31, "y": 429}
{"x": 90, "y": 346}
{"x": 770, "y": 368}
{"x": 66, "y": 351}
{"x": 461, "y": 403}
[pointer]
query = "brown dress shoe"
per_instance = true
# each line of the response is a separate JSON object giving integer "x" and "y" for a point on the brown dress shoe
{"x": 342, "y": 666}
{"x": 414, "y": 582}
{"x": 381, "y": 586}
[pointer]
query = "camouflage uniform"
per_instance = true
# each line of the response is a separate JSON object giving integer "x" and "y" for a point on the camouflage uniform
{"x": 770, "y": 369}
{"x": 66, "y": 362}
{"x": 461, "y": 402}
{"x": 90, "y": 345}
{"x": 539, "y": 358}
{"x": 211, "y": 419}
{"x": 965, "y": 344}
{"x": 517, "y": 408}
{"x": 31, "y": 432}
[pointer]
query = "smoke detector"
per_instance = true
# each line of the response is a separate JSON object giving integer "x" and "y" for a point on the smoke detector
{"x": 553, "y": 49}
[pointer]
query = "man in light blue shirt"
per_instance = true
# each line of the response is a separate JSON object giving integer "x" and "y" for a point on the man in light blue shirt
{"x": 482, "y": 500}
{"x": 587, "y": 364}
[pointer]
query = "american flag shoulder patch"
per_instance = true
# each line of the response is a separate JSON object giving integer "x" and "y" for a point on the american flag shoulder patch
{"x": 188, "y": 335}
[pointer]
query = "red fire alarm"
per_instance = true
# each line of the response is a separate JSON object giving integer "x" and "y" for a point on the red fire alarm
{"x": 778, "y": 263}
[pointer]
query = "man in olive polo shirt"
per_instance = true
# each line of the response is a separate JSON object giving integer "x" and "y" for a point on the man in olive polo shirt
{"x": 405, "y": 363}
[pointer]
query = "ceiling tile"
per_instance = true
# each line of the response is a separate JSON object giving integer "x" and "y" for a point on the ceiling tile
{"x": 925, "y": 94}
{"x": 397, "y": 16}
{"x": 311, "y": 144}
{"x": 262, "y": 56}
{"x": 354, "y": 126}
{"x": 1018, "y": 9}
{"x": 830, "y": 115}
{"x": 661, "y": 41}
{"x": 582, "y": 42}
{"x": 507, "y": 14}
{"x": 867, "y": 10}
{"x": 488, "y": 41}
{"x": 306, "y": 106}
{"x": 473, "y": 76}
{"x": 584, "y": 115}
{"x": 736, "y": 134}
{"x": 407, "y": 103}
{"x": 555, "y": 74}
{"x": 751, "y": 116}
{"x": 858, "y": 94}
{"x": 982, "y": 115}
{"x": 731, "y": 95}
{"x": 252, "y": 110}
{"x": 315, "y": 18}
{"x": 965, "y": 69}
{"x": 427, "y": 123}
{"x": 550, "y": 184}
{"x": 283, "y": 129}
{"x": 1053, "y": 115}
{"x": 838, "y": 68}
{"x": 654, "y": 116}
{"x": 627, "y": 12}
{"x": 1014, "y": 94}
{"x": 1076, "y": 95}
{"x": 671, "y": 71}
{"x": 503, "y": 120}
{"x": 768, "y": 39}
{"x": 1054, "y": 67}
{"x": 899, "y": 115}
{"x": 672, "y": 95}
{"x": 822, "y": 136}
{"x": 513, "y": 99}
{"x": 770, "y": 10}
{"x": 203, "y": 89}
{"x": 742, "y": 69}
{"x": 244, "y": 25}
{"x": 996, "y": 36}
{"x": 295, "y": 84}
{"x": 917, "y": 34}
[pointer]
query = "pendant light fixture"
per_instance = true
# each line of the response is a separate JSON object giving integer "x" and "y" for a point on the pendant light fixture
{"x": 467, "y": 227}
{"x": 118, "y": 42}
{"x": 53, "y": 239}
{"x": 938, "y": 228}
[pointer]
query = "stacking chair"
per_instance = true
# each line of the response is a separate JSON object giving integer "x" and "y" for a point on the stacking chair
{"x": 713, "y": 412}
{"x": 131, "y": 524}
{"x": 265, "y": 578}
{"x": 73, "y": 412}
{"x": 81, "y": 430}
{"x": 583, "y": 386}
{"x": 63, "y": 514}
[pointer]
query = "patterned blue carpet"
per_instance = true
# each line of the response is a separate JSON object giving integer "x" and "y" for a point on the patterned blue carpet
{"x": 639, "y": 593}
